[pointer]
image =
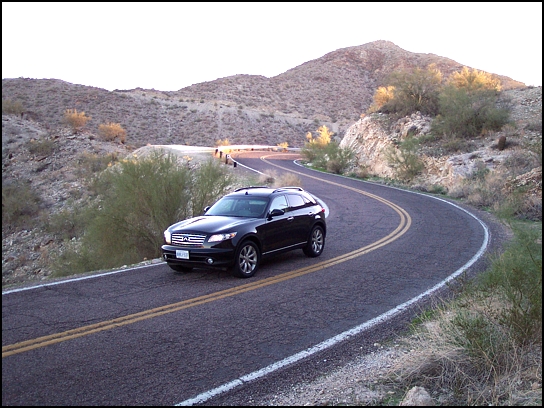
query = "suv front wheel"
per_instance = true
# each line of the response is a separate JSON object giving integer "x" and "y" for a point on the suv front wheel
{"x": 246, "y": 261}
{"x": 316, "y": 242}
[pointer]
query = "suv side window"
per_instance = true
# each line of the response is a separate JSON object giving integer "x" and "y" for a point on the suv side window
{"x": 296, "y": 202}
{"x": 279, "y": 202}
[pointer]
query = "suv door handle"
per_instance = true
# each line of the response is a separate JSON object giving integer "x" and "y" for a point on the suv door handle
{"x": 290, "y": 218}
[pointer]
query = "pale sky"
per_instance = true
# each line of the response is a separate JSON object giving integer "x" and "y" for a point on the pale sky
{"x": 168, "y": 46}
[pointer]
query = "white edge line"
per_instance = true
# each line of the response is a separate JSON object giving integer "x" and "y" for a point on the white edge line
{"x": 323, "y": 345}
{"x": 349, "y": 333}
{"x": 7, "y": 292}
{"x": 77, "y": 279}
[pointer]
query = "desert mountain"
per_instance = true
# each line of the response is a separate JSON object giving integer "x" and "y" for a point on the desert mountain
{"x": 43, "y": 155}
{"x": 332, "y": 90}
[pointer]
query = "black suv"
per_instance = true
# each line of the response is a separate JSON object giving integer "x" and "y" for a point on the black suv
{"x": 244, "y": 226}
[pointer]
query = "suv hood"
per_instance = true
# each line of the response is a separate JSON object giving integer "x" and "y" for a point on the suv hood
{"x": 208, "y": 224}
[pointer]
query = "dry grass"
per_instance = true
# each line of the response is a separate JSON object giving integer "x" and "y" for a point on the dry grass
{"x": 277, "y": 180}
{"x": 456, "y": 374}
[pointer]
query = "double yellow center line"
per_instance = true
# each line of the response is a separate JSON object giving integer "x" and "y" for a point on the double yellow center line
{"x": 404, "y": 225}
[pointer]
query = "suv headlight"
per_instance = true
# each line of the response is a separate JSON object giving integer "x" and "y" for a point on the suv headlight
{"x": 168, "y": 237}
{"x": 221, "y": 237}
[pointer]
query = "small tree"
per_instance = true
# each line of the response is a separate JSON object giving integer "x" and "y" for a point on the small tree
{"x": 382, "y": 96}
{"x": 111, "y": 130}
{"x": 324, "y": 137}
{"x": 415, "y": 90}
{"x": 76, "y": 120}
{"x": 473, "y": 81}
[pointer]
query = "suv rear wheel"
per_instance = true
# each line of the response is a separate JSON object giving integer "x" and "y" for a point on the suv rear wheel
{"x": 246, "y": 261}
{"x": 316, "y": 242}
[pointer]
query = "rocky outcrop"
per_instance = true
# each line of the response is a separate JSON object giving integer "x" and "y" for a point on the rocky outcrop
{"x": 371, "y": 136}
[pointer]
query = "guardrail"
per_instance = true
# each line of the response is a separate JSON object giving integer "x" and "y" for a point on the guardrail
{"x": 224, "y": 151}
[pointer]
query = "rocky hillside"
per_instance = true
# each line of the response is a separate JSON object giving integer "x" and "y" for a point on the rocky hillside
{"x": 370, "y": 137}
{"x": 332, "y": 90}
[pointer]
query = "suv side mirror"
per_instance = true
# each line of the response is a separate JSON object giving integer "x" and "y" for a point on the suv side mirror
{"x": 275, "y": 212}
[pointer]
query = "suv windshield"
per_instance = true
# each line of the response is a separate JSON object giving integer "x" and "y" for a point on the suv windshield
{"x": 239, "y": 207}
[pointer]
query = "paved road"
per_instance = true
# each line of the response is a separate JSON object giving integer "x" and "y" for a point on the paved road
{"x": 149, "y": 336}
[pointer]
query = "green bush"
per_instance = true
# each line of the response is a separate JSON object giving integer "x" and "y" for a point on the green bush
{"x": 20, "y": 203}
{"x": 404, "y": 159}
{"x": 91, "y": 163}
{"x": 138, "y": 200}
{"x": 208, "y": 184}
{"x": 516, "y": 278}
{"x": 464, "y": 114}
{"x": 414, "y": 90}
{"x": 340, "y": 159}
{"x": 12, "y": 107}
{"x": 41, "y": 147}
{"x": 484, "y": 345}
{"x": 329, "y": 157}
{"x": 68, "y": 223}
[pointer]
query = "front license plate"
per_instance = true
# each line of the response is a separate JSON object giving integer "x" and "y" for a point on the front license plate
{"x": 181, "y": 254}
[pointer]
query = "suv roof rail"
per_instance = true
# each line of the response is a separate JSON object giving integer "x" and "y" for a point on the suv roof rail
{"x": 248, "y": 187}
{"x": 289, "y": 188}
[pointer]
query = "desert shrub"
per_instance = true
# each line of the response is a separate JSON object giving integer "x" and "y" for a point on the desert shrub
{"x": 415, "y": 90}
{"x": 485, "y": 345}
{"x": 276, "y": 180}
{"x": 310, "y": 151}
{"x": 483, "y": 188}
{"x": 41, "y": 147}
{"x": 516, "y": 278}
{"x": 520, "y": 162}
{"x": 138, "y": 200}
{"x": 20, "y": 203}
{"x": 340, "y": 159}
{"x": 209, "y": 182}
{"x": 325, "y": 154}
{"x": 404, "y": 159}
{"x": 535, "y": 126}
{"x": 111, "y": 131}
{"x": 91, "y": 163}
{"x": 324, "y": 137}
{"x": 465, "y": 113}
{"x": 76, "y": 120}
{"x": 12, "y": 107}
{"x": 474, "y": 80}
{"x": 287, "y": 180}
{"x": 330, "y": 157}
{"x": 382, "y": 96}
{"x": 535, "y": 147}
{"x": 69, "y": 223}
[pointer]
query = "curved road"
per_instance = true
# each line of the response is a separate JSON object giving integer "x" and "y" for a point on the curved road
{"x": 149, "y": 336}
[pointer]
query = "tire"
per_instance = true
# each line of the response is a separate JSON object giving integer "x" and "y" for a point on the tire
{"x": 316, "y": 242}
{"x": 247, "y": 260}
{"x": 179, "y": 268}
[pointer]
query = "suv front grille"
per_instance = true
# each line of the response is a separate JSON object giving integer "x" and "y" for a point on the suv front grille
{"x": 188, "y": 240}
